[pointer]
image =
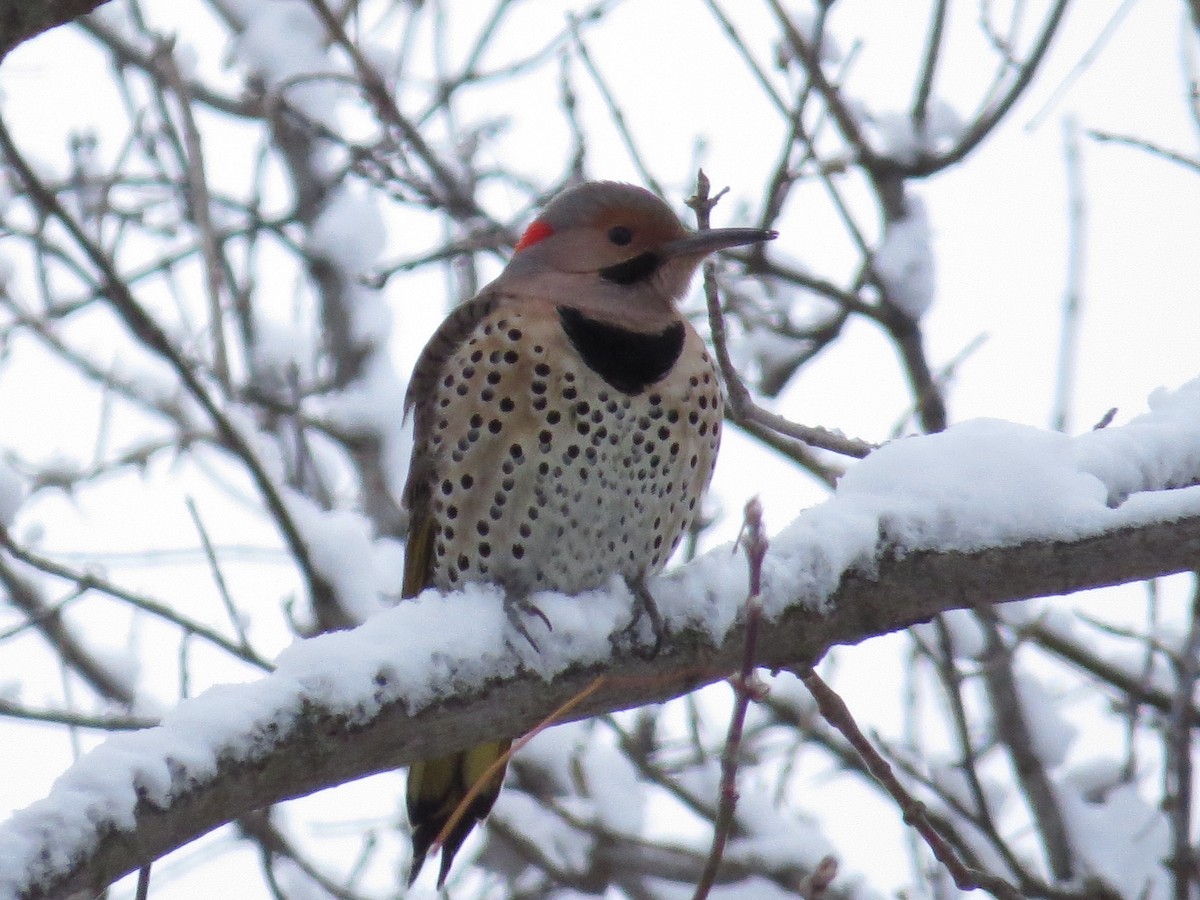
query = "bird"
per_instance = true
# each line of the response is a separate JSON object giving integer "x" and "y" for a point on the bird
{"x": 566, "y": 422}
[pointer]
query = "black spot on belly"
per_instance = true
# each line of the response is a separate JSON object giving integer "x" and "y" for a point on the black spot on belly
{"x": 628, "y": 360}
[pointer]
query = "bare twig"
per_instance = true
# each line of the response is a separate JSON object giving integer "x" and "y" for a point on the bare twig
{"x": 1177, "y": 799}
{"x": 1072, "y": 305}
{"x": 745, "y": 688}
{"x": 740, "y": 402}
{"x": 214, "y": 566}
{"x": 1013, "y": 730}
{"x": 991, "y": 116}
{"x": 614, "y": 110}
{"x": 835, "y": 711}
{"x": 743, "y": 50}
{"x": 933, "y": 47}
{"x": 273, "y": 844}
{"x": 952, "y": 683}
{"x": 100, "y": 722}
{"x": 449, "y": 189}
{"x": 152, "y": 336}
{"x": 1107, "y": 137}
{"x": 85, "y": 581}
{"x": 1088, "y": 58}
{"x": 810, "y": 57}
{"x": 125, "y": 53}
{"x": 198, "y": 207}
{"x": 74, "y": 653}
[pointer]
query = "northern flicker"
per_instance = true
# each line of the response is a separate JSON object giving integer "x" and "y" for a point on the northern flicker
{"x": 566, "y": 426}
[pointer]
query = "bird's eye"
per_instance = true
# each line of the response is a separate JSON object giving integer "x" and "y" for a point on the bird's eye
{"x": 620, "y": 235}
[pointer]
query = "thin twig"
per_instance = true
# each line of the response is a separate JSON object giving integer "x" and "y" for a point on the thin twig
{"x": 810, "y": 57}
{"x": 649, "y": 769}
{"x": 85, "y": 581}
{"x": 743, "y": 50}
{"x": 835, "y": 711}
{"x": 745, "y": 688}
{"x": 742, "y": 406}
{"x": 1068, "y": 346}
{"x": 101, "y": 722}
{"x": 988, "y": 118}
{"x": 135, "y": 317}
{"x": 273, "y": 844}
{"x": 1089, "y": 56}
{"x": 933, "y": 47}
{"x": 68, "y": 646}
{"x": 218, "y": 576}
{"x": 1132, "y": 706}
{"x": 1107, "y": 137}
{"x": 124, "y": 53}
{"x": 198, "y": 207}
{"x": 614, "y": 111}
{"x": 1014, "y": 730}
{"x": 952, "y": 683}
{"x": 458, "y": 203}
{"x": 1178, "y": 738}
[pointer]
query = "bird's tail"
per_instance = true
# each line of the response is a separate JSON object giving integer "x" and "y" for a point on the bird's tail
{"x": 435, "y": 789}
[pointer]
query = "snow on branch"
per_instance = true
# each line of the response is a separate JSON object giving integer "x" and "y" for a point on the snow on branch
{"x": 985, "y": 512}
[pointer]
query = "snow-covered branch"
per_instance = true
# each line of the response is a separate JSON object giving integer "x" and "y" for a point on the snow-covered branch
{"x": 986, "y": 512}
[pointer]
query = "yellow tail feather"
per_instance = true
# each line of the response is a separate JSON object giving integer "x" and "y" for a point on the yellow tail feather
{"x": 435, "y": 789}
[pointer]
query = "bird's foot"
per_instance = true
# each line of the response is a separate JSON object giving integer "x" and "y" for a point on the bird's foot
{"x": 644, "y": 605}
{"x": 519, "y": 610}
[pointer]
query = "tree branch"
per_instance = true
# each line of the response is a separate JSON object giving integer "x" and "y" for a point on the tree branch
{"x": 20, "y": 20}
{"x": 304, "y": 735}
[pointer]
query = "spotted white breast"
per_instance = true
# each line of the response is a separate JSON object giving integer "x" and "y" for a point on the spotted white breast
{"x": 543, "y": 475}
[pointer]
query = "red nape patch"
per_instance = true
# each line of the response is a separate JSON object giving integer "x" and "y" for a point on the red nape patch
{"x": 537, "y": 231}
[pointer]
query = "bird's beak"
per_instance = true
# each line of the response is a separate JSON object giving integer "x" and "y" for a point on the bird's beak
{"x": 703, "y": 243}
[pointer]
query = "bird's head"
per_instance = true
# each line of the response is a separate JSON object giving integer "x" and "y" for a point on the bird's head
{"x": 618, "y": 240}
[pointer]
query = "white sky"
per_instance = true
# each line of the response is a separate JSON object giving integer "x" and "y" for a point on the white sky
{"x": 1000, "y": 241}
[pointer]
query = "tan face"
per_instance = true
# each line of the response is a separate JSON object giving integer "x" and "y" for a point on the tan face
{"x": 588, "y": 235}
{"x": 618, "y": 249}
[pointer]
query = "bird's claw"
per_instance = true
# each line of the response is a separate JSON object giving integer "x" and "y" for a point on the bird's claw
{"x": 518, "y": 609}
{"x": 644, "y": 605}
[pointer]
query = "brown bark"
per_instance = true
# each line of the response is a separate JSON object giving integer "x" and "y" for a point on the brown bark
{"x": 21, "y": 19}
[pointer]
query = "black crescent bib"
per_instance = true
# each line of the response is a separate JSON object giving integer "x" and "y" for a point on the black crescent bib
{"x": 628, "y": 360}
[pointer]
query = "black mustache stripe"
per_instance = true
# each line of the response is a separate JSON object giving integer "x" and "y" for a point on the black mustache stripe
{"x": 639, "y": 268}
